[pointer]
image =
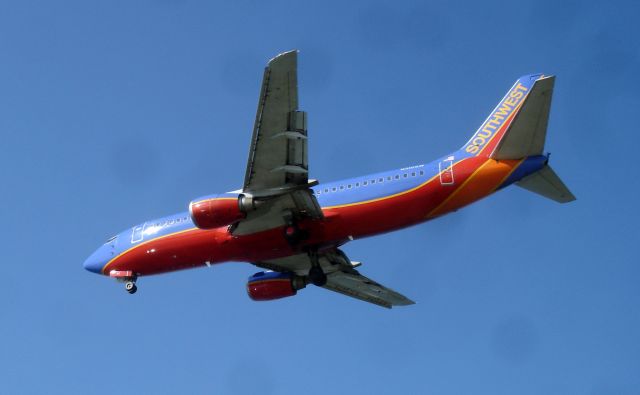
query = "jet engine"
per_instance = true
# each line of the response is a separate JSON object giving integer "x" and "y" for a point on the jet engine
{"x": 214, "y": 211}
{"x": 273, "y": 285}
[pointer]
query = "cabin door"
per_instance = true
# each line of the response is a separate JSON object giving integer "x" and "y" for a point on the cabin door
{"x": 446, "y": 171}
{"x": 137, "y": 233}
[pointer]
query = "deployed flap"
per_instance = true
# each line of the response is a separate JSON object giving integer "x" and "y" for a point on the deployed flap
{"x": 545, "y": 182}
{"x": 341, "y": 277}
{"x": 278, "y": 152}
{"x": 528, "y": 131}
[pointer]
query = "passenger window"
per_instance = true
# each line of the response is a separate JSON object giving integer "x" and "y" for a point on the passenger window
{"x": 357, "y": 184}
{"x": 388, "y": 178}
{"x": 397, "y": 177}
{"x": 373, "y": 181}
{"x": 380, "y": 179}
{"x": 413, "y": 174}
{"x": 421, "y": 172}
{"x": 405, "y": 175}
{"x": 349, "y": 186}
{"x": 364, "y": 183}
{"x": 334, "y": 189}
{"x": 341, "y": 187}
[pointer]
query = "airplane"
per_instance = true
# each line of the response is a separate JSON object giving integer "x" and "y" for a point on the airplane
{"x": 293, "y": 227}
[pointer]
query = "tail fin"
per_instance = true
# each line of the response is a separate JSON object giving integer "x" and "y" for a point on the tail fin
{"x": 517, "y": 127}
{"x": 545, "y": 182}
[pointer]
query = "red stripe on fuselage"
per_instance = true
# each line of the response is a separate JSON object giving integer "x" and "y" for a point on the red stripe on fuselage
{"x": 475, "y": 178}
{"x": 485, "y": 180}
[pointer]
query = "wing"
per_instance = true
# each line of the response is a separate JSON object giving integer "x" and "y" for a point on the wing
{"x": 277, "y": 169}
{"x": 354, "y": 284}
{"x": 342, "y": 277}
{"x": 278, "y": 153}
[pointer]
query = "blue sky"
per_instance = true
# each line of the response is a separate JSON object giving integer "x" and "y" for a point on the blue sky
{"x": 112, "y": 113}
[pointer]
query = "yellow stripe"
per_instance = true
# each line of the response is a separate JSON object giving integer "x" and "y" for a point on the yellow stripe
{"x": 104, "y": 268}
{"x": 454, "y": 193}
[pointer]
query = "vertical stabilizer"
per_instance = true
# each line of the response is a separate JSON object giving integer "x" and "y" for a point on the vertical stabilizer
{"x": 528, "y": 131}
{"x": 517, "y": 127}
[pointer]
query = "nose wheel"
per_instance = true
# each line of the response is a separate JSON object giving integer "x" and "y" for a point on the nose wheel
{"x": 127, "y": 277}
{"x": 130, "y": 286}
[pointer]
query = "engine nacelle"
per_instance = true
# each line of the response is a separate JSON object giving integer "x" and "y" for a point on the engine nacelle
{"x": 273, "y": 285}
{"x": 215, "y": 211}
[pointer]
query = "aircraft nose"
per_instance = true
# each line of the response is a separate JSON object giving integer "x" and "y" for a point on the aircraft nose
{"x": 98, "y": 259}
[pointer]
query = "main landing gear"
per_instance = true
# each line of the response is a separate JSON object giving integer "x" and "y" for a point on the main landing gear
{"x": 316, "y": 275}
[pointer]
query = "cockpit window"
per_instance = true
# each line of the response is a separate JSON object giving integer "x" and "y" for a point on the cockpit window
{"x": 111, "y": 239}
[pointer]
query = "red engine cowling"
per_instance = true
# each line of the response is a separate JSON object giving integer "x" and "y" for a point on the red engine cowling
{"x": 273, "y": 285}
{"x": 215, "y": 211}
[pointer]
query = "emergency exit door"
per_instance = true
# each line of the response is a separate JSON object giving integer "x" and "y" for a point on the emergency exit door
{"x": 446, "y": 171}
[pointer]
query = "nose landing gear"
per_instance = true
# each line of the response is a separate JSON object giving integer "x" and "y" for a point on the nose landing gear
{"x": 127, "y": 277}
{"x": 130, "y": 286}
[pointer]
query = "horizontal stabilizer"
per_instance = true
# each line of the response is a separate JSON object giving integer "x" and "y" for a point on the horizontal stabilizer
{"x": 545, "y": 182}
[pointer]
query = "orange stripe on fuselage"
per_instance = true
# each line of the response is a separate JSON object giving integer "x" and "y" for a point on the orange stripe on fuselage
{"x": 489, "y": 176}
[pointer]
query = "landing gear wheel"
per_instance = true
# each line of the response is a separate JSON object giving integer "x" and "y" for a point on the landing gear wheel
{"x": 131, "y": 287}
{"x": 317, "y": 276}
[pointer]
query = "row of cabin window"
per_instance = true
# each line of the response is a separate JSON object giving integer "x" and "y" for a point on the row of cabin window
{"x": 367, "y": 182}
{"x": 170, "y": 222}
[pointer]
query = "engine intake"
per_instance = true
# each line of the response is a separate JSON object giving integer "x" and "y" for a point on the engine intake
{"x": 216, "y": 210}
{"x": 273, "y": 285}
